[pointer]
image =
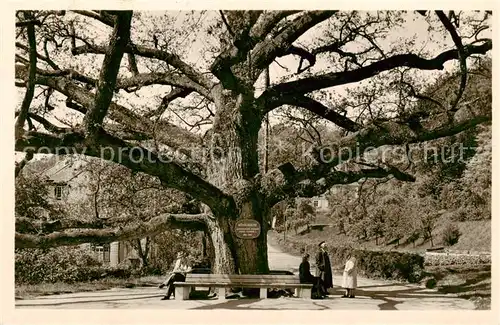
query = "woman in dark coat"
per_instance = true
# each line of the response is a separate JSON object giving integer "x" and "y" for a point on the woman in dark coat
{"x": 324, "y": 268}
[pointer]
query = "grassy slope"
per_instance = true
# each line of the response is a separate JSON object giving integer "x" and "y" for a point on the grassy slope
{"x": 476, "y": 236}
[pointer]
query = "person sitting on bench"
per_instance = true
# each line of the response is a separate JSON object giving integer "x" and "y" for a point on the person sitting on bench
{"x": 178, "y": 274}
{"x": 305, "y": 276}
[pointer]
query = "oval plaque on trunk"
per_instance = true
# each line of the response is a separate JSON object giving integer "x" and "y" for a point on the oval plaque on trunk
{"x": 247, "y": 229}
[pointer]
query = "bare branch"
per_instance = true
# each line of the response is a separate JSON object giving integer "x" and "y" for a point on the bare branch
{"x": 224, "y": 20}
{"x": 171, "y": 96}
{"x": 166, "y": 133}
{"x": 105, "y": 19}
{"x": 28, "y": 23}
{"x": 399, "y": 133}
{"x": 322, "y": 181}
{"x": 423, "y": 97}
{"x": 462, "y": 56}
{"x": 39, "y": 56}
{"x": 94, "y": 117}
{"x": 46, "y": 124}
{"x": 172, "y": 59}
{"x": 266, "y": 22}
{"x": 37, "y": 226}
{"x": 319, "y": 109}
{"x": 132, "y": 64}
{"x": 304, "y": 54}
{"x": 169, "y": 78}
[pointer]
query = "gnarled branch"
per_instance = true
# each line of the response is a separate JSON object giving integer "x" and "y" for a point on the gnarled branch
{"x": 265, "y": 52}
{"x": 278, "y": 183}
{"x": 314, "y": 183}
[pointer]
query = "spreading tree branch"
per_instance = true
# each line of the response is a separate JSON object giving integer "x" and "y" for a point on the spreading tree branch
{"x": 135, "y": 158}
{"x": 105, "y": 19}
{"x": 266, "y": 22}
{"x": 265, "y": 52}
{"x": 314, "y": 183}
{"x": 19, "y": 166}
{"x": 309, "y": 84}
{"x": 154, "y": 226}
{"x": 167, "y": 99}
{"x": 37, "y": 226}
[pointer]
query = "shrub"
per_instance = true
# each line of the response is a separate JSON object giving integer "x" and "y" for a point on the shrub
{"x": 451, "y": 234}
{"x": 431, "y": 283}
{"x": 61, "y": 264}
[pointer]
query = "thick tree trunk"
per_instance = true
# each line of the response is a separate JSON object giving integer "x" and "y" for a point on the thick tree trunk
{"x": 223, "y": 259}
{"x": 233, "y": 167}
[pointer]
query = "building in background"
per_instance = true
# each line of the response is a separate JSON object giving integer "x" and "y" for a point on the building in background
{"x": 69, "y": 184}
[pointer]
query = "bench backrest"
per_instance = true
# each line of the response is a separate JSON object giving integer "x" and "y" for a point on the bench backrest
{"x": 243, "y": 278}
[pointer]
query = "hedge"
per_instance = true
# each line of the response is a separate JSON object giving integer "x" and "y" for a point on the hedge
{"x": 380, "y": 264}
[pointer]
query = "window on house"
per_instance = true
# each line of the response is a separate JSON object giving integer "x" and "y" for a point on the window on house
{"x": 105, "y": 253}
{"x": 316, "y": 203}
{"x": 58, "y": 192}
{"x": 102, "y": 252}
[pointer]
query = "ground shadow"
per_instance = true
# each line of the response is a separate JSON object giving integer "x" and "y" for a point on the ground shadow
{"x": 470, "y": 285}
{"x": 389, "y": 298}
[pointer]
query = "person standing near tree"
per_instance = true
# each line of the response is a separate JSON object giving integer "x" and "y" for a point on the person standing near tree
{"x": 350, "y": 278}
{"x": 181, "y": 267}
{"x": 324, "y": 268}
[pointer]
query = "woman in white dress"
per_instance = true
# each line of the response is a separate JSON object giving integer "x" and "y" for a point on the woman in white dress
{"x": 350, "y": 278}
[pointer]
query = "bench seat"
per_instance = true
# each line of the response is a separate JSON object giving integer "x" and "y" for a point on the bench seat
{"x": 224, "y": 281}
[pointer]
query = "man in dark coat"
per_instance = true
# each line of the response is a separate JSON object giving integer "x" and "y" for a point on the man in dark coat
{"x": 324, "y": 268}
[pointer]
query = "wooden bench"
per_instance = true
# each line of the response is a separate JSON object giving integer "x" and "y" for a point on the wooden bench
{"x": 223, "y": 281}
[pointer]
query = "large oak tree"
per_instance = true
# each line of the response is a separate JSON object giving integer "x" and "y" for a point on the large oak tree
{"x": 98, "y": 62}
